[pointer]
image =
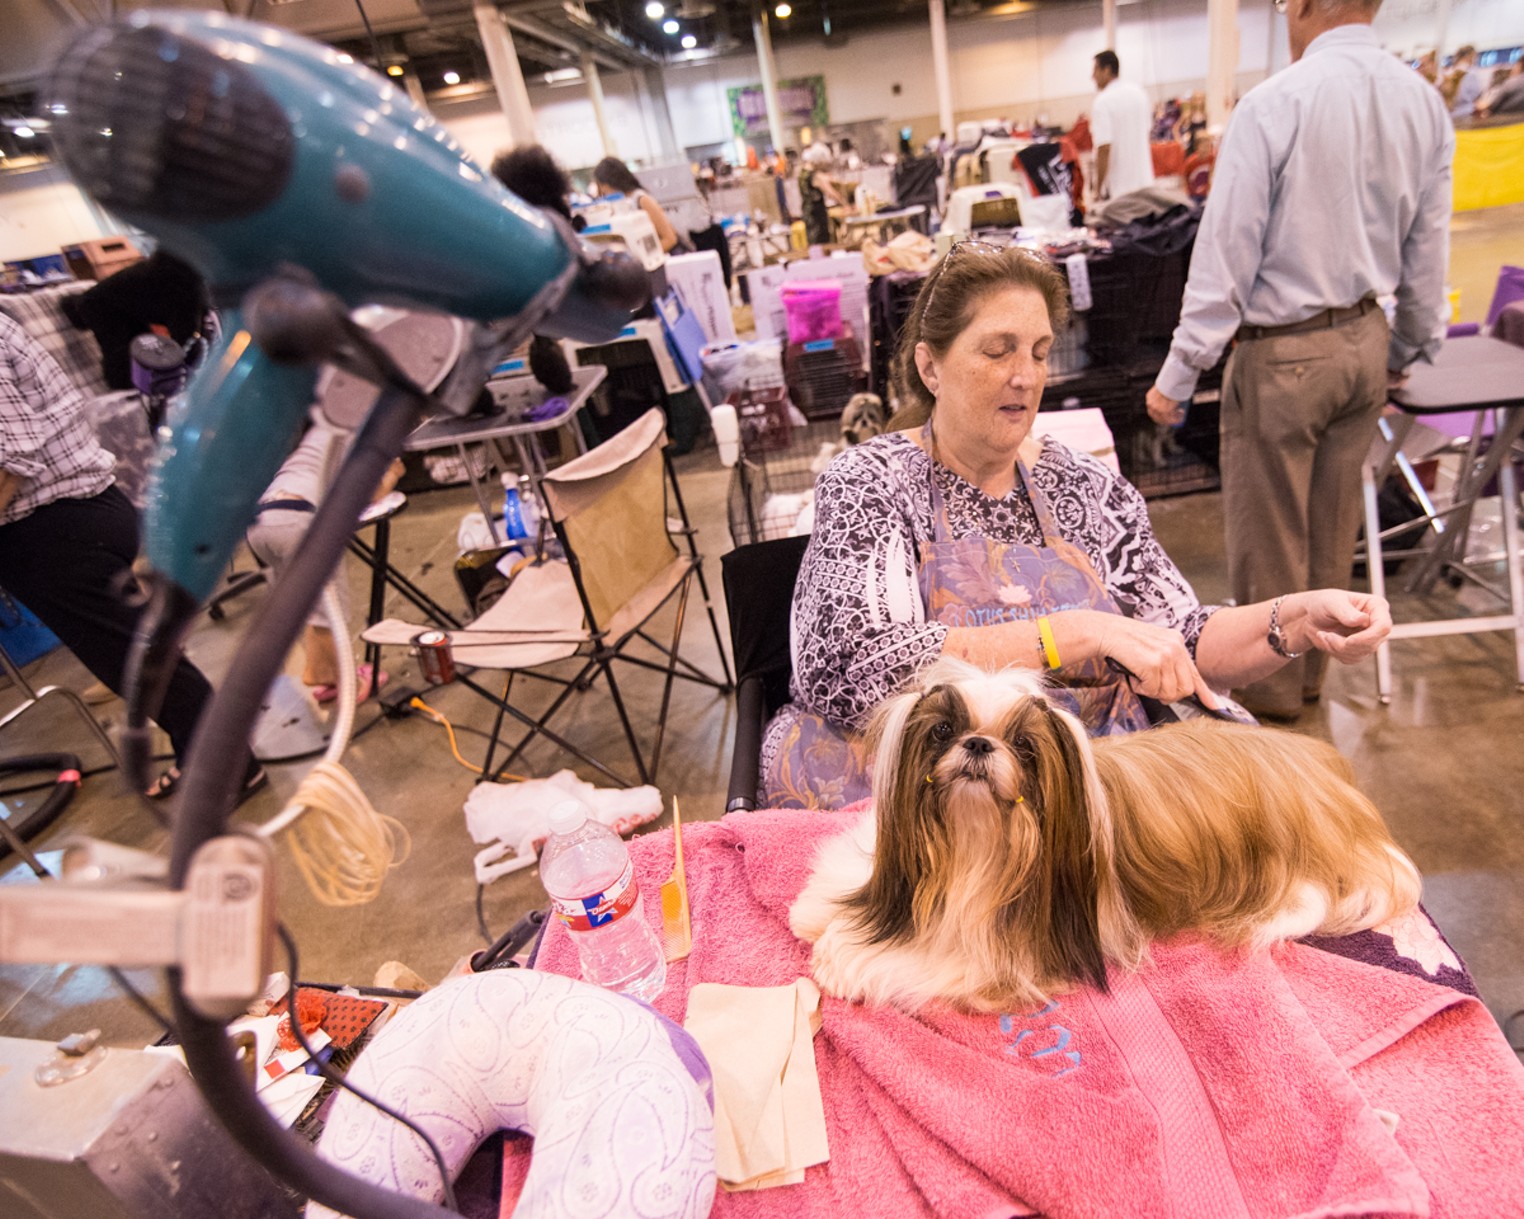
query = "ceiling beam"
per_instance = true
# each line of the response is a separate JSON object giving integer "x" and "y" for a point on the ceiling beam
{"x": 524, "y": 24}
{"x": 599, "y": 37}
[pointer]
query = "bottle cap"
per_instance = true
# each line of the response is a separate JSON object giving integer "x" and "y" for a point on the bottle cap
{"x": 567, "y": 817}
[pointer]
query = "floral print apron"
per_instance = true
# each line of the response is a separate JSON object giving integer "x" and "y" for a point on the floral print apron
{"x": 968, "y": 581}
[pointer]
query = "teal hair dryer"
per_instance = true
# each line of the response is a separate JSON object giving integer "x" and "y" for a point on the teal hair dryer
{"x": 246, "y": 149}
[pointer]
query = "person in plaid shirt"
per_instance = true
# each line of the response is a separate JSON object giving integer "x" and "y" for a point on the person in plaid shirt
{"x": 68, "y": 536}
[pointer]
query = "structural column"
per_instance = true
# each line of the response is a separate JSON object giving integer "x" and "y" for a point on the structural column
{"x": 1109, "y": 23}
{"x": 762, "y": 35}
{"x": 507, "y": 75}
{"x": 595, "y": 95}
{"x": 1222, "y": 60}
{"x": 666, "y": 133}
{"x": 940, "y": 68}
{"x": 414, "y": 87}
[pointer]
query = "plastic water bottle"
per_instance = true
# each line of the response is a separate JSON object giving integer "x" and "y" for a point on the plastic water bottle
{"x": 521, "y": 515}
{"x": 529, "y": 508}
{"x": 587, "y": 872}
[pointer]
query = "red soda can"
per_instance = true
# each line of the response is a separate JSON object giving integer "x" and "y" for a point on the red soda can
{"x": 435, "y": 660}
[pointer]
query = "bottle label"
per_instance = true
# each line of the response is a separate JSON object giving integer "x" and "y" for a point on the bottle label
{"x": 513, "y": 515}
{"x": 600, "y": 909}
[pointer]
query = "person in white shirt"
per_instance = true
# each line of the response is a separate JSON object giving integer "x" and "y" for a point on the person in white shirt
{"x": 1120, "y": 123}
{"x": 1332, "y": 189}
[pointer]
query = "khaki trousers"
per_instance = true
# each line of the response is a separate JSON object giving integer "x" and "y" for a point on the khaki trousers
{"x": 1298, "y": 416}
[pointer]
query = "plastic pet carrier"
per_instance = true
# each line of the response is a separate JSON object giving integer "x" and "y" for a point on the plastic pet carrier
{"x": 821, "y": 375}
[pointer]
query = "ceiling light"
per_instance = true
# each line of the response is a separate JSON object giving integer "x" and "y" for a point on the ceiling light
{"x": 654, "y": 10}
{"x": 26, "y": 133}
{"x": 394, "y": 69}
{"x": 689, "y": 42}
{"x": 783, "y": 11}
{"x": 669, "y": 26}
{"x": 452, "y": 78}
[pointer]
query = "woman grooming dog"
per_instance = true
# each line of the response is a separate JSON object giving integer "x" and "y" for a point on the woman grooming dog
{"x": 958, "y": 533}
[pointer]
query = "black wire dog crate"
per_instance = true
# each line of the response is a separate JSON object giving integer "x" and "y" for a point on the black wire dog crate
{"x": 772, "y": 485}
{"x": 1157, "y": 460}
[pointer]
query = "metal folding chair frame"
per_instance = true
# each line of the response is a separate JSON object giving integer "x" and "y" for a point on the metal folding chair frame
{"x": 600, "y": 661}
{"x": 32, "y": 697}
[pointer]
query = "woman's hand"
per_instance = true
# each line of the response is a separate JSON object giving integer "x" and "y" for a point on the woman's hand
{"x": 1155, "y": 656}
{"x": 1349, "y": 626}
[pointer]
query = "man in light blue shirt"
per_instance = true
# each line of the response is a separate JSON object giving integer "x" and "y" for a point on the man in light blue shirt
{"x": 1331, "y": 189}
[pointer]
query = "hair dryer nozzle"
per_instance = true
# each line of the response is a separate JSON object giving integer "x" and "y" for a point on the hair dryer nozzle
{"x": 153, "y": 123}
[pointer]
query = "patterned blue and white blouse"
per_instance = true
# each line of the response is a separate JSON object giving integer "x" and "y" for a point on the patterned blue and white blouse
{"x": 859, "y": 628}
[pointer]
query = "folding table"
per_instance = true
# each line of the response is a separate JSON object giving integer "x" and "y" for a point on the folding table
{"x": 515, "y": 398}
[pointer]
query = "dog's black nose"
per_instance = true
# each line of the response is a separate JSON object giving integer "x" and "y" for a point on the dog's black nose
{"x": 979, "y": 745}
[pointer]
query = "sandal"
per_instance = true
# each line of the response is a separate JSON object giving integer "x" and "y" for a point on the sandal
{"x": 370, "y": 682}
{"x": 164, "y": 786}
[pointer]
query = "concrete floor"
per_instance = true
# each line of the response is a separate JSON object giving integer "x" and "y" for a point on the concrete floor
{"x": 1443, "y": 762}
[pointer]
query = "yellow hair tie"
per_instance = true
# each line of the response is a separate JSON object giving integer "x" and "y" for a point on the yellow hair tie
{"x": 1049, "y": 646}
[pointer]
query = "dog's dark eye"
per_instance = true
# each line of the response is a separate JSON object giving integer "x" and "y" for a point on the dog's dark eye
{"x": 942, "y": 730}
{"x": 1021, "y": 743}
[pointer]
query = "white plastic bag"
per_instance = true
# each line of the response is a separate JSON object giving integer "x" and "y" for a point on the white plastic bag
{"x": 473, "y": 533}
{"x": 514, "y": 818}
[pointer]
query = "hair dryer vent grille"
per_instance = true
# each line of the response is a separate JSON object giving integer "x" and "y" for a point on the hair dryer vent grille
{"x": 155, "y": 124}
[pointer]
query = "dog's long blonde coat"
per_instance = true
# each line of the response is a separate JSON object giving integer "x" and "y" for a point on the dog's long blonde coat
{"x": 989, "y": 873}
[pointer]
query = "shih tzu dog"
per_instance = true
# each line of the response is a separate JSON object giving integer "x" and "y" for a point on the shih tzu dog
{"x": 862, "y": 418}
{"x": 1008, "y": 857}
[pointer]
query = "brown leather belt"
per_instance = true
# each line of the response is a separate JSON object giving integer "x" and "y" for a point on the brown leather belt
{"x": 1325, "y": 320}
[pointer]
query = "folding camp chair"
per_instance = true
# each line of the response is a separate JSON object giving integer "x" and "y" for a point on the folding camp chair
{"x": 616, "y": 511}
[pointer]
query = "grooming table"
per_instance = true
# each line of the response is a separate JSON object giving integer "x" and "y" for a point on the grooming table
{"x": 514, "y": 397}
{"x": 1205, "y": 1085}
{"x": 1486, "y": 376}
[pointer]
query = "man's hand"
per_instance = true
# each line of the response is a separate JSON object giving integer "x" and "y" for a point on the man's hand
{"x": 1395, "y": 379}
{"x": 1164, "y": 410}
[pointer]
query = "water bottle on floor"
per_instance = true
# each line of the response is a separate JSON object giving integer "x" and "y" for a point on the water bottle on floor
{"x": 587, "y": 872}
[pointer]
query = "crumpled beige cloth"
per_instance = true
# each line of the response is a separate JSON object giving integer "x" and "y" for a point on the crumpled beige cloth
{"x": 768, "y": 1116}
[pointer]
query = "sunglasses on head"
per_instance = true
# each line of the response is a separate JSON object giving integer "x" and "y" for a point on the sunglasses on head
{"x": 974, "y": 246}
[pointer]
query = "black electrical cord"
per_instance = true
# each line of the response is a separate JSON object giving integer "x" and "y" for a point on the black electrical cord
{"x": 65, "y": 784}
{"x": 481, "y": 915}
{"x": 27, "y": 788}
{"x": 336, "y": 1077}
{"x": 375, "y": 46}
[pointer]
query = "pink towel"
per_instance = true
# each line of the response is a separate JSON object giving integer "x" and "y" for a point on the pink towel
{"x": 1206, "y": 1085}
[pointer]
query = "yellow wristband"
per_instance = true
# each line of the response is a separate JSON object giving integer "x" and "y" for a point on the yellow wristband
{"x": 1049, "y": 647}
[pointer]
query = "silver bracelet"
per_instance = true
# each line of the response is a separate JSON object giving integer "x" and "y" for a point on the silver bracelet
{"x": 1277, "y": 635}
